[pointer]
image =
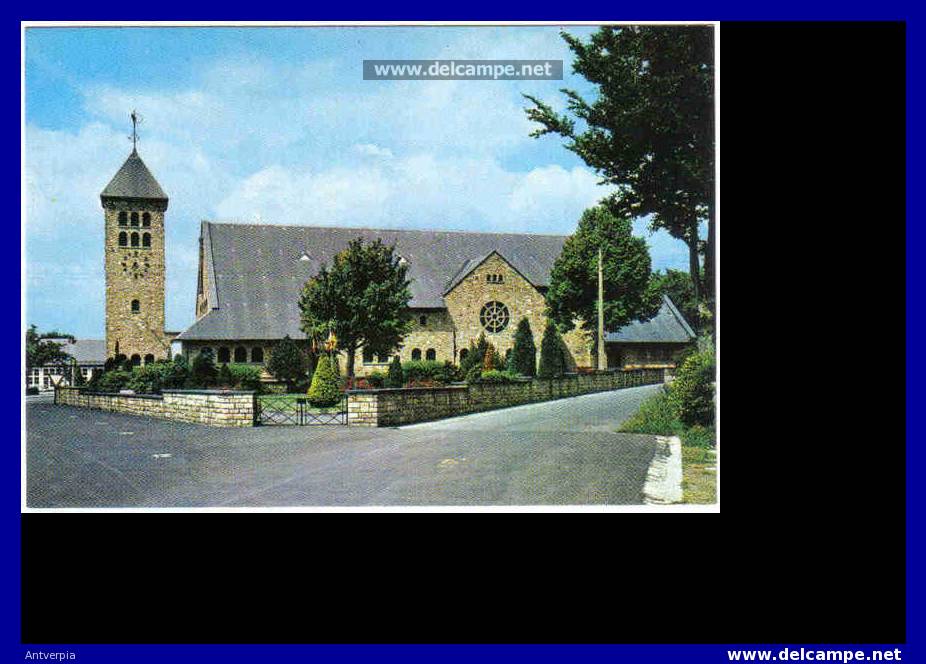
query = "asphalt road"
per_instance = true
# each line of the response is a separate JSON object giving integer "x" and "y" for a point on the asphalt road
{"x": 555, "y": 453}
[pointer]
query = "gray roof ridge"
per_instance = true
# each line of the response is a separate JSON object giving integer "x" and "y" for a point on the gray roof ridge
{"x": 678, "y": 315}
{"x": 233, "y": 222}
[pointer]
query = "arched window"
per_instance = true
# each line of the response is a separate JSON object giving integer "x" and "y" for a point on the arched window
{"x": 431, "y": 355}
{"x": 416, "y": 354}
{"x": 134, "y": 239}
{"x": 136, "y": 360}
{"x": 136, "y": 306}
{"x": 423, "y": 321}
{"x": 146, "y": 239}
{"x": 224, "y": 355}
{"x": 135, "y": 219}
{"x": 123, "y": 239}
{"x": 367, "y": 356}
{"x": 149, "y": 358}
{"x": 123, "y": 218}
{"x": 241, "y": 354}
{"x": 146, "y": 219}
{"x": 463, "y": 353}
{"x": 257, "y": 354}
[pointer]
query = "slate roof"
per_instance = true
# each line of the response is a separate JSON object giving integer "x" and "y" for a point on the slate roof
{"x": 134, "y": 180}
{"x": 85, "y": 351}
{"x": 667, "y": 326}
{"x": 257, "y": 273}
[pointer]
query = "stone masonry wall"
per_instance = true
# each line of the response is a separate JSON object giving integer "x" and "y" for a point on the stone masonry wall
{"x": 135, "y": 273}
{"x": 210, "y": 407}
{"x": 394, "y": 407}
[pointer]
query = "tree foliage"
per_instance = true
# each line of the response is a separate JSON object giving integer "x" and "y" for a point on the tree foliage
{"x": 630, "y": 293}
{"x": 203, "y": 372}
{"x": 288, "y": 362}
{"x": 475, "y": 355}
{"x": 692, "y": 392}
{"x": 41, "y": 350}
{"x": 552, "y": 357}
{"x": 362, "y": 299}
{"x": 523, "y": 356}
{"x": 396, "y": 376}
{"x": 324, "y": 390}
{"x": 650, "y": 128}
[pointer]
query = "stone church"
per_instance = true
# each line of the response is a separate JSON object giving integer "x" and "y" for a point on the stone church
{"x": 250, "y": 278}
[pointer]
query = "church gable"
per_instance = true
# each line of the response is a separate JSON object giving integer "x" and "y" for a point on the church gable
{"x": 490, "y": 298}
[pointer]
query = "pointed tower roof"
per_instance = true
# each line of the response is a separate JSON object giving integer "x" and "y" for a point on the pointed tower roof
{"x": 134, "y": 180}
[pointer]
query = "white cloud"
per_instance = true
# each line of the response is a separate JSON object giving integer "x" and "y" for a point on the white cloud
{"x": 421, "y": 191}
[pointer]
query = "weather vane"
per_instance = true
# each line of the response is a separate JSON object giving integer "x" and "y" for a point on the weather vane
{"x": 135, "y": 120}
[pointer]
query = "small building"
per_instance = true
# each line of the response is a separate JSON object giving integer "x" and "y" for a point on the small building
{"x": 89, "y": 356}
{"x": 654, "y": 344}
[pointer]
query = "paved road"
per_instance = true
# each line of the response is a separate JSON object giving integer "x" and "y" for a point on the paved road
{"x": 560, "y": 452}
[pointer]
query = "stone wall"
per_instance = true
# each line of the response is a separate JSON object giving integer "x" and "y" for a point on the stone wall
{"x": 394, "y": 407}
{"x": 645, "y": 355}
{"x": 219, "y": 408}
{"x": 135, "y": 273}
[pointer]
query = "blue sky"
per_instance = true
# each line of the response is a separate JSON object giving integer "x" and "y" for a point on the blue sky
{"x": 276, "y": 125}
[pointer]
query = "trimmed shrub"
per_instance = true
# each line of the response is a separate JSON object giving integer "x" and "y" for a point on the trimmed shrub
{"x": 474, "y": 374}
{"x": 523, "y": 357}
{"x": 203, "y": 372}
{"x": 552, "y": 360}
{"x": 176, "y": 375}
{"x": 395, "y": 377}
{"x": 496, "y": 376}
{"x": 692, "y": 392}
{"x": 376, "y": 379}
{"x": 324, "y": 390}
{"x": 422, "y": 371}
{"x": 224, "y": 379}
{"x": 113, "y": 381}
{"x": 448, "y": 372}
{"x": 246, "y": 377}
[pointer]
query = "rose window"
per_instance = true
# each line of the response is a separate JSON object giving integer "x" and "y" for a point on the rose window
{"x": 494, "y": 317}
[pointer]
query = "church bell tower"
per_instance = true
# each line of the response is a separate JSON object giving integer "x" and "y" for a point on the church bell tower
{"x": 133, "y": 208}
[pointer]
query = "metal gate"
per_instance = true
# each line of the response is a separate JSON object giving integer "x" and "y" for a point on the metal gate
{"x": 296, "y": 410}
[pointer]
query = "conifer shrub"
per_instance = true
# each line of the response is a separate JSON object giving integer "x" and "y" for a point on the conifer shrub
{"x": 324, "y": 390}
{"x": 552, "y": 359}
{"x": 523, "y": 357}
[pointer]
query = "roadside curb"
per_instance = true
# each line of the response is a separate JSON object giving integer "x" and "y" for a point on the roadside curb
{"x": 664, "y": 477}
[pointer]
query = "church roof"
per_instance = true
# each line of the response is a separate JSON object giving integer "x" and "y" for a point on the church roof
{"x": 258, "y": 270}
{"x": 256, "y": 273}
{"x": 667, "y": 326}
{"x": 134, "y": 180}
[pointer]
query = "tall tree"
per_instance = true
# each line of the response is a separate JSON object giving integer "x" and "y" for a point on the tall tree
{"x": 650, "y": 128}
{"x": 362, "y": 299}
{"x": 630, "y": 292}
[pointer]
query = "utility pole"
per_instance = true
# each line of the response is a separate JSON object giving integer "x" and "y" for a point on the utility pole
{"x": 602, "y": 357}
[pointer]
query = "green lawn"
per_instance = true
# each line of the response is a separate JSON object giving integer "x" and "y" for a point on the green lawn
{"x": 287, "y": 403}
{"x": 699, "y": 459}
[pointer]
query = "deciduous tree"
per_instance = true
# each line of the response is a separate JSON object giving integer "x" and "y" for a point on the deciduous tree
{"x": 362, "y": 298}
{"x": 649, "y": 129}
